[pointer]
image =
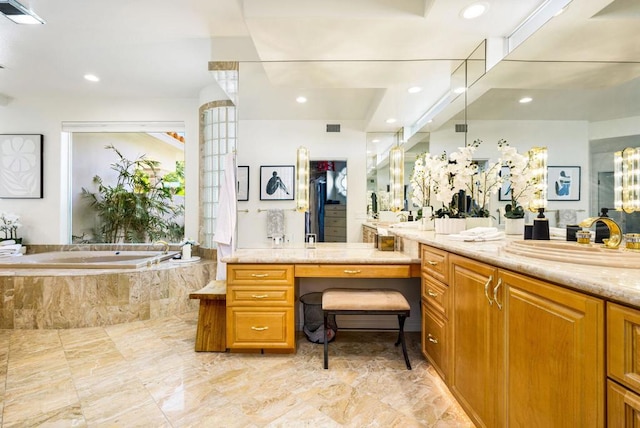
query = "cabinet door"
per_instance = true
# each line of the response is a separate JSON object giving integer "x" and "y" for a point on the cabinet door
{"x": 554, "y": 355}
{"x": 473, "y": 323}
{"x": 623, "y": 407}
{"x": 435, "y": 341}
{"x": 623, "y": 347}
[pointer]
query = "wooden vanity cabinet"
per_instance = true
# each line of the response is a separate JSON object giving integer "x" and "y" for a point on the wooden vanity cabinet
{"x": 369, "y": 234}
{"x": 435, "y": 309}
{"x": 260, "y": 307}
{"x": 524, "y": 352}
{"x": 623, "y": 368}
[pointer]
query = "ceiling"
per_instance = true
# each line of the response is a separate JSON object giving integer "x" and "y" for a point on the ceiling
{"x": 352, "y": 60}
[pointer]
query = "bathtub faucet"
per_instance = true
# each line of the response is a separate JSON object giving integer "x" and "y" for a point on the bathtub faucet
{"x": 165, "y": 246}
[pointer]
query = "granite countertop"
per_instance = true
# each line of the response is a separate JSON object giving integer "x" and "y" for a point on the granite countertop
{"x": 617, "y": 284}
{"x": 337, "y": 253}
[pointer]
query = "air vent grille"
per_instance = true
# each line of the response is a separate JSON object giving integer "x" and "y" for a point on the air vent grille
{"x": 333, "y": 127}
{"x": 461, "y": 127}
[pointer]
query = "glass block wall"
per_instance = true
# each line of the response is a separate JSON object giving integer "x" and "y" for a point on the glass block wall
{"x": 218, "y": 136}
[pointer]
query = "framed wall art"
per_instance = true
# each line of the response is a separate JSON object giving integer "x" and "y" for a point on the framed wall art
{"x": 243, "y": 183}
{"x": 504, "y": 193}
{"x": 563, "y": 183}
{"x": 276, "y": 182}
{"x": 21, "y": 166}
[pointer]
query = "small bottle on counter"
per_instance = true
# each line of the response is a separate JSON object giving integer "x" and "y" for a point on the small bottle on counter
{"x": 186, "y": 251}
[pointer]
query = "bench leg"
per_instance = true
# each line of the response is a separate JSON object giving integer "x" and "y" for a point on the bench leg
{"x": 401, "y": 319}
{"x": 211, "y": 331}
{"x": 326, "y": 341}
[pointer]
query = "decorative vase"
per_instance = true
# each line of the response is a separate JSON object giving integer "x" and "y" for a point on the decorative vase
{"x": 514, "y": 226}
{"x": 471, "y": 222}
{"x": 449, "y": 226}
{"x": 427, "y": 220}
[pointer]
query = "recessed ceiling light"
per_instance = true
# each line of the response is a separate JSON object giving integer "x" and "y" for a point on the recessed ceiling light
{"x": 459, "y": 90}
{"x": 391, "y": 120}
{"x": 91, "y": 77}
{"x": 475, "y": 10}
{"x": 375, "y": 140}
{"x": 525, "y": 100}
{"x": 301, "y": 99}
{"x": 414, "y": 89}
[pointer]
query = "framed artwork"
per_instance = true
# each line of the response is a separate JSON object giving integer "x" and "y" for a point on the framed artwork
{"x": 563, "y": 183}
{"x": 243, "y": 183}
{"x": 21, "y": 166}
{"x": 504, "y": 193}
{"x": 276, "y": 182}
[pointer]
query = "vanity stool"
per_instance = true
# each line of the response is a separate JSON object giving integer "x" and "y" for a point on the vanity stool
{"x": 357, "y": 301}
{"x": 212, "y": 317}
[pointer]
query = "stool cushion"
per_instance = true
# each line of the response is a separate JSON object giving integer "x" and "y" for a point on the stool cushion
{"x": 358, "y": 299}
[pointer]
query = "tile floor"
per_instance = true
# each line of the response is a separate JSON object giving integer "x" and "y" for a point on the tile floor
{"x": 146, "y": 374}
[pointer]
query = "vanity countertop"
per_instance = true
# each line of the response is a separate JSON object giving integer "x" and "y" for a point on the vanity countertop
{"x": 324, "y": 253}
{"x": 618, "y": 284}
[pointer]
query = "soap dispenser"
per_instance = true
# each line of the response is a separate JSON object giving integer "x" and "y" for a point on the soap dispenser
{"x": 186, "y": 250}
{"x": 540, "y": 226}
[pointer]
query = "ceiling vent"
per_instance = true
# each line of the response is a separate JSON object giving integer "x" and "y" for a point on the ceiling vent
{"x": 333, "y": 127}
{"x": 461, "y": 127}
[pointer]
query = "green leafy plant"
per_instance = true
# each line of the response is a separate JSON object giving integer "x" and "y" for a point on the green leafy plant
{"x": 138, "y": 207}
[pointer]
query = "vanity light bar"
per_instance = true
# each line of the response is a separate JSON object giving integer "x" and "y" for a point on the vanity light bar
{"x": 396, "y": 178}
{"x": 627, "y": 180}
{"x": 538, "y": 160}
{"x": 302, "y": 179}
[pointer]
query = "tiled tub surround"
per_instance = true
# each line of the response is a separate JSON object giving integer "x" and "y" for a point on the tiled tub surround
{"x": 71, "y": 298}
{"x": 87, "y": 260}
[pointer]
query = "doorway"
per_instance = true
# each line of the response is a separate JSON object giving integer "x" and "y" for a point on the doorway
{"x": 327, "y": 216}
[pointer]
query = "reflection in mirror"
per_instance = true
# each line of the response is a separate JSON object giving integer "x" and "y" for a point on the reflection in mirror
{"x": 327, "y": 215}
{"x": 127, "y": 187}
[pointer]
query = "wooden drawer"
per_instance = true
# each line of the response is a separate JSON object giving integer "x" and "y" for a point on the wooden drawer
{"x": 353, "y": 271}
{"x": 335, "y": 231}
{"x": 623, "y": 345}
{"x": 270, "y": 295}
{"x": 335, "y": 211}
{"x": 434, "y": 341}
{"x": 238, "y": 274}
{"x": 435, "y": 262}
{"x": 435, "y": 295}
{"x": 271, "y": 328}
{"x": 335, "y": 222}
{"x": 623, "y": 406}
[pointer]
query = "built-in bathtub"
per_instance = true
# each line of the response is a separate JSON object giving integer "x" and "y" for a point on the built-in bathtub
{"x": 87, "y": 260}
{"x": 42, "y": 296}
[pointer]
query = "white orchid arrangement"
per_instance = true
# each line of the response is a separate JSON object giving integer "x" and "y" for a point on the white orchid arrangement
{"x": 483, "y": 184}
{"x": 521, "y": 180}
{"x": 451, "y": 175}
{"x": 9, "y": 224}
{"x": 384, "y": 201}
{"x": 422, "y": 179}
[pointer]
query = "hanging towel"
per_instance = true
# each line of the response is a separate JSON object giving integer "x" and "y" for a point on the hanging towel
{"x": 226, "y": 222}
{"x": 275, "y": 223}
{"x": 566, "y": 217}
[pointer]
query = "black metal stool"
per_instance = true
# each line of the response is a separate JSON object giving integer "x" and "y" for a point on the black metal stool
{"x": 374, "y": 301}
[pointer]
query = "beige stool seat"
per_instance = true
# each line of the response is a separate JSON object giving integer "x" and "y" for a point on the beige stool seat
{"x": 370, "y": 301}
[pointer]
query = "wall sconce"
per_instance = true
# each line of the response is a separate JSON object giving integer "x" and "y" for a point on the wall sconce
{"x": 626, "y": 190}
{"x": 302, "y": 179}
{"x": 396, "y": 178}
{"x": 538, "y": 162}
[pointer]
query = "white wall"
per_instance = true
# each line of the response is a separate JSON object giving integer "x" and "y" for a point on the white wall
{"x": 567, "y": 143}
{"x": 46, "y": 220}
{"x": 275, "y": 143}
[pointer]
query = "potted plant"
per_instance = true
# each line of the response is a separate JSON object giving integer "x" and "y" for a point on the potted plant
{"x": 484, "y": 183}
{"x": 521, "y": 187}
{"x": 9, "y": 224}
{"x": 138, "y": 207}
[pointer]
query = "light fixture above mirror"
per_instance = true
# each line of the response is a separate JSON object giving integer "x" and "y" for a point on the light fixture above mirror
{"x": 627, "y": 180}
{"x": 302, "y": 179}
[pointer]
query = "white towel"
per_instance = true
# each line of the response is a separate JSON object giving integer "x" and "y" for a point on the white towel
{"x": 226, "y": 222}
{"x": 566, "y": 217}
{"x": 479, "y": 231}
{"x": 489, "y": 235}
{"x": 275, "y": 223}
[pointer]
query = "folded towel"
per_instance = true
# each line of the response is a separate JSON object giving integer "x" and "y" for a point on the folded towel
{"x": 7, "y": 242}
{"x": 275, "y": 223}
{"x": 566, "y": 217}
{"x": 11, "y": 248}
{"x": 479, "y": 231}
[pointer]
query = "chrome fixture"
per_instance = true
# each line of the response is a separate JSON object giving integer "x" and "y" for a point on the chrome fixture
{"x": 165, "y": 246}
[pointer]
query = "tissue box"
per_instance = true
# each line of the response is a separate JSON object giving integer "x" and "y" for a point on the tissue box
{"x": 386, "y": 243}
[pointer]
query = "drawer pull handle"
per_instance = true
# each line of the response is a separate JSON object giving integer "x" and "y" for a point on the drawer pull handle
{"x": 432, "y": 263}
{"x": 259, "y": 275}
{"x": 432, "y": 294}
{"x": 495, "y": 293}
{"x": 352, "y": 272}
{"x": 259, "y": 328}
{"x": 432, "y": 339}
{"x": 259, "y": 296}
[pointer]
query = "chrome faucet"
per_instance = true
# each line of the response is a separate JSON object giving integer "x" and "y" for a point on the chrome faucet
{"x": 615, "y": 234}
{"x": 165, "y": 246}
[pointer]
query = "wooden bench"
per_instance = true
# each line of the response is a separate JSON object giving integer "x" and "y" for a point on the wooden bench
{"x": 212, "y": 315}
{"x": 375, "y": 301}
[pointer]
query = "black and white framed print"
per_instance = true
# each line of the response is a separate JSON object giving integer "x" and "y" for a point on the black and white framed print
{"x": 243, "y": 183}
{"x": 21, "y": 166}
{"x": 563, "y": 183}
{"x": 504, "y": 193}
{"x": 276, "y": 182}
